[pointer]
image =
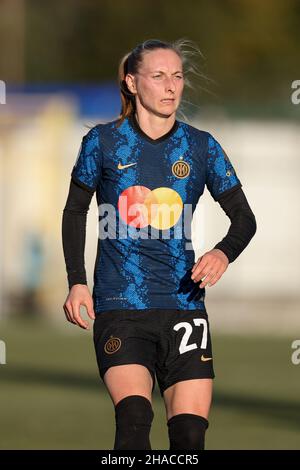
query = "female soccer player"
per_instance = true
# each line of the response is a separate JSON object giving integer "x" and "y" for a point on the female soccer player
{"x": 149, "y": 170}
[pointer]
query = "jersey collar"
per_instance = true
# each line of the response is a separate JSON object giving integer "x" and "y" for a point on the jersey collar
{"x": 135, "y": 125}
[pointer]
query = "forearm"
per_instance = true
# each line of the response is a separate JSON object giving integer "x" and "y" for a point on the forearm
{"x": 74, "y": 233}
{"x": 243, "y": 224}
{"x": 73, "y": 237}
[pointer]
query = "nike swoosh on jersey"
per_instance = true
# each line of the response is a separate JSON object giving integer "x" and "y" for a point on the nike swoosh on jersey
{"x": 121, "y": 167}
{"x": 204, "y": 359}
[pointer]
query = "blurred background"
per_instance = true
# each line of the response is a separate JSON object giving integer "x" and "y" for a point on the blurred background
{"x": 58, "y": 75}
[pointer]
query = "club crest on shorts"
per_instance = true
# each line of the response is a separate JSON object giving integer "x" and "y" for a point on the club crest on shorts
{"x": 180, "y": 168}
{"x": 112, "y": 345}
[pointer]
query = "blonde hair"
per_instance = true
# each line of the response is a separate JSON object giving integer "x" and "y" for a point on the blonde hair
{"x": 186, "y": 49}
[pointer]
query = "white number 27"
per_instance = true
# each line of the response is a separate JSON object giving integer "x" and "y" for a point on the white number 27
{"x": 184, "y": 347}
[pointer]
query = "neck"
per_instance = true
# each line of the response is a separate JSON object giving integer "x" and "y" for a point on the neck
{"x": 154, "y": 126}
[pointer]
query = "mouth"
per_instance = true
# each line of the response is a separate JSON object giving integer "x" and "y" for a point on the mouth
{"x": 167, "y": 100}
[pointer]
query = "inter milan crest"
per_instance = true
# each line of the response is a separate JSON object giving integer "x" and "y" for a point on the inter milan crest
{"x": 180, "y": 168}
{"x": 112, "y": 345}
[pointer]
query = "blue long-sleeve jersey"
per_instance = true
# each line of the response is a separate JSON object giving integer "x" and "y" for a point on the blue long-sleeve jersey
{"x": 147, "y": 190}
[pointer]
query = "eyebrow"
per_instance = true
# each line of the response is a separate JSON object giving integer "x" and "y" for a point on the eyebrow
{"x": 161, "y": 71}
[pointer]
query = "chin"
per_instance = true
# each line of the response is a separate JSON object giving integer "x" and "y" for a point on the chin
{"x": 167, "y": 110}
{"x": 165, "y": 114}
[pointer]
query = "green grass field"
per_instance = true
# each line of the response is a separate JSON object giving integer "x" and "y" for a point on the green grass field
{"x": 52, "y": 396}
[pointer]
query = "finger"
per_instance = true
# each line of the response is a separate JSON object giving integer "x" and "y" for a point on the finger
{"x": 80, "y": 322}
{"x": 198, "y": 272}
{"x": 197, "y": 263}
{"x": 211, "y": 266}
{"x": 208, "y": 278}
{"x": 201, "y": 271}
{"x": 67, "y": 314}
{"x": 71, "y": 313}
{"x": 90, "y": 310}
{"x": 215, "y": 279}
{"x": 77, "y": 317}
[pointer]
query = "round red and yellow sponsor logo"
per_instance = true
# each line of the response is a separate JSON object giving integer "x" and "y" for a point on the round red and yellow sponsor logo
{"x": 139, "y": 206}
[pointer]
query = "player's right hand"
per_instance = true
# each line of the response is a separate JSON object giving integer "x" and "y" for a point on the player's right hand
{"x": 79, "y": 295}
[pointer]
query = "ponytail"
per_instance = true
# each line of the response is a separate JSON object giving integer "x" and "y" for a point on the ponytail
{"x": 127, "y": 98}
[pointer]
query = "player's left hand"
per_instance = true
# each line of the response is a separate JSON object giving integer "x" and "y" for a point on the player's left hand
{"x": 212, "y": 264}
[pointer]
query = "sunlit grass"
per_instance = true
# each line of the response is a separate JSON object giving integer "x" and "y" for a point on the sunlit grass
{"x": 52, "y": 396}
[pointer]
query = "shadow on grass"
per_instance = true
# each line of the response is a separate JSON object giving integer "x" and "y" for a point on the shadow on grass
{"x": 287, "y": 412}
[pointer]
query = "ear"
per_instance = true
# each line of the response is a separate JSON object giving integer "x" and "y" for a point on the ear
{"x": 130, "y": 82}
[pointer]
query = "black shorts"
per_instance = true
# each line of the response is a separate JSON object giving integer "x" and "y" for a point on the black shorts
{"x": 173, "y": 344}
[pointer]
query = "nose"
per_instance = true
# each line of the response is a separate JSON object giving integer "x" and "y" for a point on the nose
{"x": 170, "y": 84}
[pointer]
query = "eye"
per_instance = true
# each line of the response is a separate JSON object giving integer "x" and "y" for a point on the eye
{"x": 156, "y": 76}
